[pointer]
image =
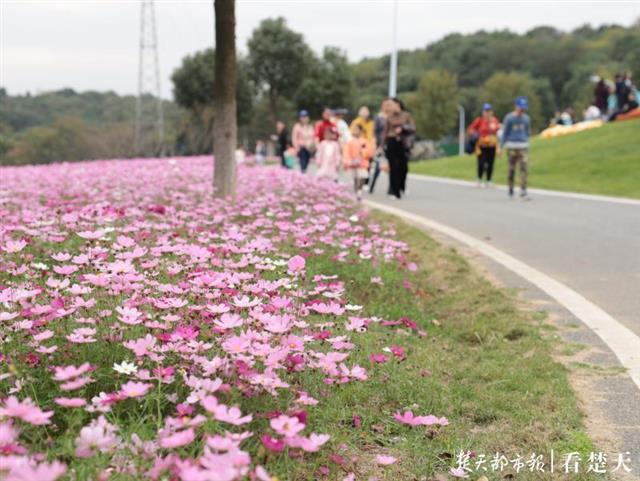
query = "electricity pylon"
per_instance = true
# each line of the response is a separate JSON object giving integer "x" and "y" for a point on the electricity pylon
{"x": 149, "y": 129}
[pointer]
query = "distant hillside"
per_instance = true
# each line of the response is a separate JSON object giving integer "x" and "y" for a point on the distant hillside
{"x": 560, "y": 63}
{"x": 32, "y": 127}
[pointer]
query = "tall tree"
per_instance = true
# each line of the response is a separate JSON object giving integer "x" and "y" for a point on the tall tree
{"x": 435, "y": 104}
{"x": 225, "y": 128}
{"x": 502, "y": 88}
{"x": 278, "y": 60}
{"x": 328, "y": 82}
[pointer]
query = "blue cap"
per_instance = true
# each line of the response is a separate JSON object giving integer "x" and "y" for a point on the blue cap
{"x": 303, "y": 113}
{"x": 487, "y": 106}
{"x": 522, "y": 102}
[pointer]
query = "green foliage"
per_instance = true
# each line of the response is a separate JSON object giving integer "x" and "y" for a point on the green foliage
{"x": 193, "y": 90}
{"x": 278, "y": 59}
{"x": 328, "y": 83}
{"x": 437, "y": 97}
{"x": 193, "y": 84}
{"x": 502, "y": 88}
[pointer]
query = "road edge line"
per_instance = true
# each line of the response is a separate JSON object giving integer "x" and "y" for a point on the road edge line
{"x": 623, "y": 342}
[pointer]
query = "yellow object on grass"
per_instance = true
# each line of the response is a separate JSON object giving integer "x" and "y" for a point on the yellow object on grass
{"x": 558, "y": 130}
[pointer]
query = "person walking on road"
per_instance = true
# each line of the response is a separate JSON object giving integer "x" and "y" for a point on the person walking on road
{"x": 379, "y": 132}
{"x": 328, "y": 156}
{"x": 323, "y": 124}
{"x": 303, "y": 139}
{"x": 485, "y": 128}
{"x": 365, "y": 122}
{"x": 344, "y": 134}
{"x": 515, "y": 138}
{"x": 398, "y": 138}
{"x": 281, "y": 138}
{"x": 356, "y": 155}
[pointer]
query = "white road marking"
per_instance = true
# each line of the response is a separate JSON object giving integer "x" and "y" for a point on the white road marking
{"x": 553, "y": 193}
{"x": 624, "y": 343}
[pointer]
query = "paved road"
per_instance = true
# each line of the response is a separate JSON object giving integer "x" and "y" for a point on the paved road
{"x": 591, "y": 246}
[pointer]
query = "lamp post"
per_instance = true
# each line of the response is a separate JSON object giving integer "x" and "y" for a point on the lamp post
{"x": 393, "y": 61}
{"x": 461, "y": 126}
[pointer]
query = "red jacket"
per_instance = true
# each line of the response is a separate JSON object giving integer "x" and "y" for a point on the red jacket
{"x": 321, "y": 126}
{"x": 485, "y": 128}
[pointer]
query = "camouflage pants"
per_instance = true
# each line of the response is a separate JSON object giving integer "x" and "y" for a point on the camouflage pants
{"x": 518, "y": 157}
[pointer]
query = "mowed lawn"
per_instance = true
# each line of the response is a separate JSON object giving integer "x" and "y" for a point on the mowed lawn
{"x": 601, "y": 161}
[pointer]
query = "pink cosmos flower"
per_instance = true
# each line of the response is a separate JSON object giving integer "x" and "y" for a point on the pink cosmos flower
{"x": 409, "y": 418}
{"x": 76, "y": 383}
{"x": 23, "y": 469}
{"x": 178, "y": 439}
{"x": 296, "y": 264}
{"x": 143, "y": 346}
{"x": 133, "y": 389}
{"x": 384, "y": 460}
{"x": 98, "y": 436}
{"x": 74, "y": 402}
{"x": 25, "y": 410}
{"x": 458, "y": 473}
{"x": 286, "y": 426}
{"x": 231, "y": 415}
{"x": 68, "y": 372}
{"x": 378, "y": 358}
{"x": 272, "y": 444}
{"x": 13, "y": 247}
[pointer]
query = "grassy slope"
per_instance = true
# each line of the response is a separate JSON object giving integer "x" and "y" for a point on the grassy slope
{"x": 600, "y": 161}
{"x": 484, "y": 364}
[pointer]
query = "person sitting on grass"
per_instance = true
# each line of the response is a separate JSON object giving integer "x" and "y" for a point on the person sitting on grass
{"x": 356, "y": 155}
{"x": 515, "y": 138}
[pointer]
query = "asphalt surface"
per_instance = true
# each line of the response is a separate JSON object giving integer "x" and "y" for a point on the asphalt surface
{"x": 591, "y": 246}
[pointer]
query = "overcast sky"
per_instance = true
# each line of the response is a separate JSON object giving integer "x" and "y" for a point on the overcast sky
{"x": 93, "y": 44}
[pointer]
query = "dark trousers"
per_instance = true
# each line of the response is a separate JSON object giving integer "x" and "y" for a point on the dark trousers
{"x": 373, "y": 175}
{"x": 486, "y": 160}
{"x": 304, "y": 155}
{"x": 398, "y": 166}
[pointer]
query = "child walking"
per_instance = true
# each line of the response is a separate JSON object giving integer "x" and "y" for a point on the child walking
{"x": 328, "y": 155}
{"x": 356, "y": 156}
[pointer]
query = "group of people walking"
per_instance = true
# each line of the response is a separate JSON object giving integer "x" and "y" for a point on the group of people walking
{"x": 485, "y": 142}
{"x": 361, "y": 149}
{"x": 370, "y": 145}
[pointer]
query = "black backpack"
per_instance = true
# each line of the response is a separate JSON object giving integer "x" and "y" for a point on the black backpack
{"x": 470, "y": 145}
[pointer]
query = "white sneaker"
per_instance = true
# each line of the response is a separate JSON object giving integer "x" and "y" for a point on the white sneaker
{"x": 479, "y": 183}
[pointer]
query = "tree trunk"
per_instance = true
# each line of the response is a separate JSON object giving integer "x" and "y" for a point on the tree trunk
{"x": 225, "y": 129}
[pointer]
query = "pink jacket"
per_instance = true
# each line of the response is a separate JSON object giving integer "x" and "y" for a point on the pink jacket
{"x": 328, "y": 157}
{"x": 302, "y": 136}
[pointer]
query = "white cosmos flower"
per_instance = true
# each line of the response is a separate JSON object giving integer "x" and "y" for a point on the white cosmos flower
{"x": 352, "y": 307}
{"x": 354, "y": 218}
{"x": 125, "y": 368}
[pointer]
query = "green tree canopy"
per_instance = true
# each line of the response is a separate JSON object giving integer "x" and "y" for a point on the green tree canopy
{"x": 501, "y": 90}
{"x": 279, "y": 60}
{"x": 328, "y": 83}
{"x": 435, "y": 104}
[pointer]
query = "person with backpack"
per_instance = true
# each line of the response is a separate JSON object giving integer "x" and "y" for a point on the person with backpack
{"x": 399, "y": 132}
{"x": 485, "y": 129}
{"x": 515, "y": 138}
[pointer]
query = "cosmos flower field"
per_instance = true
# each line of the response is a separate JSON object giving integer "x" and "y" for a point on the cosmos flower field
{"x": 150, "y": 331}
